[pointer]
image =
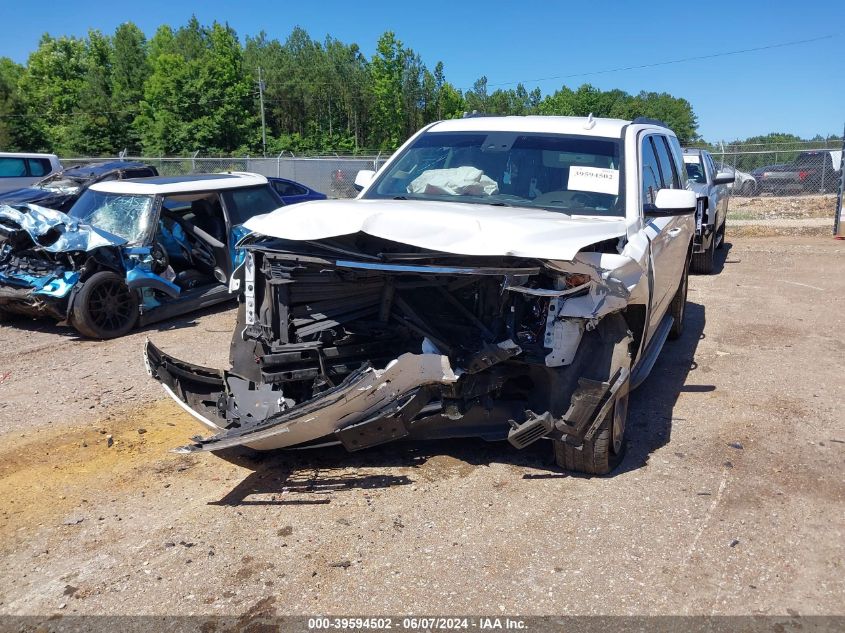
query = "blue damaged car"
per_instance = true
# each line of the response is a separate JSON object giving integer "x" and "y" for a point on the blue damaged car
{"x": 129, "y": 252}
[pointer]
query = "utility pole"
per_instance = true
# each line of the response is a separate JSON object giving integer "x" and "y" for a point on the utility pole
{"x": 261, "y": 101}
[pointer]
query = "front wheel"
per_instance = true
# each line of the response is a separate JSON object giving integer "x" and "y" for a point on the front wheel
{"x": 678, "y": 309}
{"x": 104, "y": 307}
{"x": 702, "y": 263}
{"x": 605, "y": 451}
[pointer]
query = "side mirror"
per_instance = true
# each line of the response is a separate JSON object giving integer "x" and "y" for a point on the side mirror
{"x": 724, "y": 178}
{"x": 363, "y": 178}
{"x": 671, "y": 202}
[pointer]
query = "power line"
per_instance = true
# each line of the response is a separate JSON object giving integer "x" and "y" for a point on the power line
{"x": 671, "y": 61}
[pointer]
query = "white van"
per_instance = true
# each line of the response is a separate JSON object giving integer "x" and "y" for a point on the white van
{"x": 19, "y": 170}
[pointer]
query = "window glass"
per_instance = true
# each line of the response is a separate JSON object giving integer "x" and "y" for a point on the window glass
{"x": 12, "y": 167}
{"x": 39, "y": 166}
{"x": 242, "y": 204}
{"x": 695, "y": 171}
{"x": 127, "y": 216}
{"x": 576, "y": 175}
{"x": 677, "y": 157}
{"x": 651, "y": 172}
{"x": 667, "y": 166}
{"x": 288, "y": 188}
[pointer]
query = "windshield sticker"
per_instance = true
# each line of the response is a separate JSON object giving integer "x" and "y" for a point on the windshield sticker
{"x": 594, "y": 180}
{"x": 691, "y": 159}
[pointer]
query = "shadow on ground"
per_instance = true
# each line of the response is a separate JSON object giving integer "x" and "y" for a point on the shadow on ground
{"x": 49, "y": 325}
{"x": 321, "y": 472}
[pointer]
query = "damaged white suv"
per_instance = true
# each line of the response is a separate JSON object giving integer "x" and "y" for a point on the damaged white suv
{"x": 500, "y": 277}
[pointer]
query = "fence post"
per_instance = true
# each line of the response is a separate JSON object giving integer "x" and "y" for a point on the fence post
{"x": 279, "y": 164}
{"x": 194, "y": 161}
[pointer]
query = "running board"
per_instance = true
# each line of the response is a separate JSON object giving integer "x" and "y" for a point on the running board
{"x": 646, "y": 364}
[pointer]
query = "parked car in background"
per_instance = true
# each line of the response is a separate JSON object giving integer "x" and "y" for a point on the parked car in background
{"x": 711, "y": 190}
{"x": 292, "y": 192}
{"x": 813, "y": 171}
{"x": 60, "y": 190}
{"x": 744, "y": 184}
{"x": 500, "y": 277}
{"x": 819, "y": 170}
{"x": 777, "y": 179}
{"x": 129, "y": 252}
{"x": 21, "y": 169}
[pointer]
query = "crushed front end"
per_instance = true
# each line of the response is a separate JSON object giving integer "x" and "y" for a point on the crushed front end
{"x": 358, "y": 340}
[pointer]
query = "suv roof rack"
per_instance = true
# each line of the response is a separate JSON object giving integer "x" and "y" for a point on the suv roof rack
{"x": 475, "y": 114}
{"x": 646, "y": 120}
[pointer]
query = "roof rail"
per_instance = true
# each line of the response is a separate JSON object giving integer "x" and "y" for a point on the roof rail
{"x": 646, "y": 120}
{"x": 475, "y": 114}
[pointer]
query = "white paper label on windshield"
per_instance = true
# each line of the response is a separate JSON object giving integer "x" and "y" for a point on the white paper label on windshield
{"x": 692, "y": 159}
{"x": 594, "y": 180}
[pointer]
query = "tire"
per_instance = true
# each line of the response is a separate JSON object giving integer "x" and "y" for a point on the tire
{"x": 104, "y": 307}
{"x": 605, "y": 451}
{"x": 721, "y": 235}
{"x": 678, "y": 309}
{"x": 702, "y": 263}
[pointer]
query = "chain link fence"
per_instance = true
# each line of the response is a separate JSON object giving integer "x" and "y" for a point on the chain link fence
{"x": 332, "y": 175}
{"x": 781, "y": 169}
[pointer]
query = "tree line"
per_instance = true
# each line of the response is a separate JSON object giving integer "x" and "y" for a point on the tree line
{"x": 195, "y": 88}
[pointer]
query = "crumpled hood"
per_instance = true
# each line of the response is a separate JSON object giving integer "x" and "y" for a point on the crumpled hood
{"x": 72, "y": 235}
{"x": 41, "y": 197}
{"x": 450, "y": 227}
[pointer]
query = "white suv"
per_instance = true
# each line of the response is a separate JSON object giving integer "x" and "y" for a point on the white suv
{"x": 500, "y": 277}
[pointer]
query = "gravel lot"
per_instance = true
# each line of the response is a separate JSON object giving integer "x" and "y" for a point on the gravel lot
{"x": 730, "y": 500}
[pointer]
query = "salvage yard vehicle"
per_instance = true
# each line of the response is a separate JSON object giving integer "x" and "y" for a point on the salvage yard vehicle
{"x": 500, "y": 277}
{"x": 711, "y": 190}
{"x": 63, "y": 188}
{"x": 292, "y": 192}
{"x": 19, "y": 169}
{"x": 129, "y": 252}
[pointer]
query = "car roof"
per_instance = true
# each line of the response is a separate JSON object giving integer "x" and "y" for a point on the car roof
{"x": 97, "y": 169}
{"x": 693, "y": 151}
{"x": 181, "y": 184}
{"x": 583, "y": 126}
{"x": 26, "y": 155}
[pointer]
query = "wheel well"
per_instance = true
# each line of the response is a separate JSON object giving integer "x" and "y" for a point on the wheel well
{"x": 635, "y": 317}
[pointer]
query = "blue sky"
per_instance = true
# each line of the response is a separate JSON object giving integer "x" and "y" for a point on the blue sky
{"x": 798, "y": 89}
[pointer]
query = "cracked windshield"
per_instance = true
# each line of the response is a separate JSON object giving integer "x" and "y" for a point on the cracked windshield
{"x": 570, "y": 174}
{"x": 126, "y": 216}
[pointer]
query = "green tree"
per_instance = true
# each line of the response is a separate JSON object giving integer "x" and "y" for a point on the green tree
{"x": 130, "y": 70}
{"x": 388, "y": 112}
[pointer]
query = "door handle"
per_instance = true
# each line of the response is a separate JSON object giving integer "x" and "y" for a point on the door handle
{"x": 674, "y": 232}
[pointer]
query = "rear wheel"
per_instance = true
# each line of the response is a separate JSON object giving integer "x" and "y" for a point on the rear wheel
{"x": 105, "y": 306}
{"x": 605, "y": 451}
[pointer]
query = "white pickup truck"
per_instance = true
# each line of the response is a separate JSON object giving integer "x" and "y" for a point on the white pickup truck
{"x": 711, "y": 189}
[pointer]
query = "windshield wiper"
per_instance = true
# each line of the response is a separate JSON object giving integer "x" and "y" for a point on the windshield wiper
{"x": 400, "y": 198}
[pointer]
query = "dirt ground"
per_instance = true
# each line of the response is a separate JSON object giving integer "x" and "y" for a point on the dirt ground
{"x": 782, "y": 207}
{"x": 731, "y": 499}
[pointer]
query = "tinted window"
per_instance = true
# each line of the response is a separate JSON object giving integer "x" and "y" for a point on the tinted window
{"x": 651, "y": 172}
{"x": 288, "y": 188}
{"x": 12, "y": 167}
{"x": 695, "y": 172}
{"x": 668, "y": 169}
{"x": 39, "y": 166}
{"x": 242, "y": 204}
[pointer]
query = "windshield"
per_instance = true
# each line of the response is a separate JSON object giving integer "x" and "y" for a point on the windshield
{"x": 576, "y": 175}
{"x": 695, "y": 171}
{"x": 127, "y": 216}
{"x": 62, "y": 183}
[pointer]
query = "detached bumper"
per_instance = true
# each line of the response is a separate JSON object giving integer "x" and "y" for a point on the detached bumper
{"x": 369, "y": 407}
